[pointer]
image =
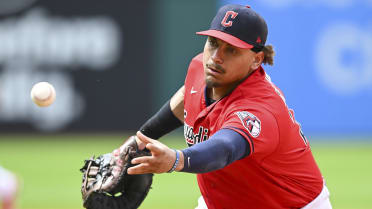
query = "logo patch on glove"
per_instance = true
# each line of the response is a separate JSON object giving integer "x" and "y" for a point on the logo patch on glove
{"x": 250, "y": 122}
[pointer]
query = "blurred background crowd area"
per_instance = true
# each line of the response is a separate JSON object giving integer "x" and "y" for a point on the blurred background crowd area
{"x": 113, "y": 65}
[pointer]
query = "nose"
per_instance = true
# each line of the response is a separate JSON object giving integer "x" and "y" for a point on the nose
{"x": 217, "y": 55}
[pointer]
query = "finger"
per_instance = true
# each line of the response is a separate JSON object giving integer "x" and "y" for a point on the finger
{"x": 144, "y": 138}
{"x": 138, "y": 169}
{"x": 154, "y": 148}
{"x": 144, "y": 159}
{"x": 141, "y": 145}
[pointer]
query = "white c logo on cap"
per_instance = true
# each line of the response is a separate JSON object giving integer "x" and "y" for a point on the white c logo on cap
{"x": 228, "y": 14}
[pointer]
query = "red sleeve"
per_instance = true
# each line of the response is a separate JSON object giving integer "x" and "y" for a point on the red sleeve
{"x": 259, "y": 128}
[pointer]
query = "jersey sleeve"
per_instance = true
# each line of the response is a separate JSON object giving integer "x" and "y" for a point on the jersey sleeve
{"x": 258, "y": 127}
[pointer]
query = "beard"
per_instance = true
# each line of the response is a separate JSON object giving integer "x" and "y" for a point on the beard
{"x": 210, "y": 80}
{"x": 211, "y": 83}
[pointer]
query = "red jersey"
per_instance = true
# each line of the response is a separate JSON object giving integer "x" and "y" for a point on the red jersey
{"x": 280, "y": 172}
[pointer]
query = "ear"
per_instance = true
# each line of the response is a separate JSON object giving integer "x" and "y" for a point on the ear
{"x": 258, "y": 59}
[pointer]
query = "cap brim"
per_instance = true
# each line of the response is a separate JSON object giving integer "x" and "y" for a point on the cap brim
{"x": 227, "y": 38}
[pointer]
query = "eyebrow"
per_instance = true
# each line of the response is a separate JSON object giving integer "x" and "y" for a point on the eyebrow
{"x": 219, "y": 40}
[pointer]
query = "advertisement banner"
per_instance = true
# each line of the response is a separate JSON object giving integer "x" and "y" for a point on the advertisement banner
{"x": 94, "y": 53}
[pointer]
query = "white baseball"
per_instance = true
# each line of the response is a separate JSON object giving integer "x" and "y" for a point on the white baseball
{"x": 43, "y": 94}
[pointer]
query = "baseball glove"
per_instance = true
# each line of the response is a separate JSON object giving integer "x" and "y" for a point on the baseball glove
{"x": 106, "y": 183}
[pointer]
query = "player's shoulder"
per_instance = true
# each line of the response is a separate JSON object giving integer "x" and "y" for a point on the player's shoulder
{"x": 252, "y": 119}
{"x": 198, "y": 58}
{"x": 196, "y": 61}
{"x": 261, "y": 96}
{"x": 196, "y": 65}
{"x": 245, "y": 105}
{"x": 244, "y": 108}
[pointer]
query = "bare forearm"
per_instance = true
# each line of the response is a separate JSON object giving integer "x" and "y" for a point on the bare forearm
{"x": 176, "y": 103}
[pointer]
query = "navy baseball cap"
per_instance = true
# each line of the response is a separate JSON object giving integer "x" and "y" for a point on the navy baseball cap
{"x": 239, "y": 26}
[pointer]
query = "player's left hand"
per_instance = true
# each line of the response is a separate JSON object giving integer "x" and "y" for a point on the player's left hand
{"x": 106, "y": 184}
{"x": 161, "y": 160}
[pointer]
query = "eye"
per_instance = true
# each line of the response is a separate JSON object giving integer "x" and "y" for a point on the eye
{"x": 231, "y": 50}
{"x": 212, "y": 41}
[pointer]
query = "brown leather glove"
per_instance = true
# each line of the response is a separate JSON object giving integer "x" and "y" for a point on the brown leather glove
{"x": 106, "y": 184}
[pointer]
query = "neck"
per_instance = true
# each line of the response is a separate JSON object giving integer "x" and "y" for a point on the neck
{"x": 216, "y": 93}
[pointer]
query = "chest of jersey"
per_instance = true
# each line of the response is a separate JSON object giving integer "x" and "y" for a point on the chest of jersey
{"x": 199, "y": 126}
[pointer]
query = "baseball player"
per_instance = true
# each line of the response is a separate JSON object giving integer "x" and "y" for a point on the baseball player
{"x": 244, "y": 143}
{"x": 8, "y": 189}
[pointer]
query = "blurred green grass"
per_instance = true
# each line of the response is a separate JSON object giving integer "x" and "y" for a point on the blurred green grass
{"x": 48, "y": 166}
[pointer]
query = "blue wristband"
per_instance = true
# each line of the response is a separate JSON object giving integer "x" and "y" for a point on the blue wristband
{"x": 175, "y": 162}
